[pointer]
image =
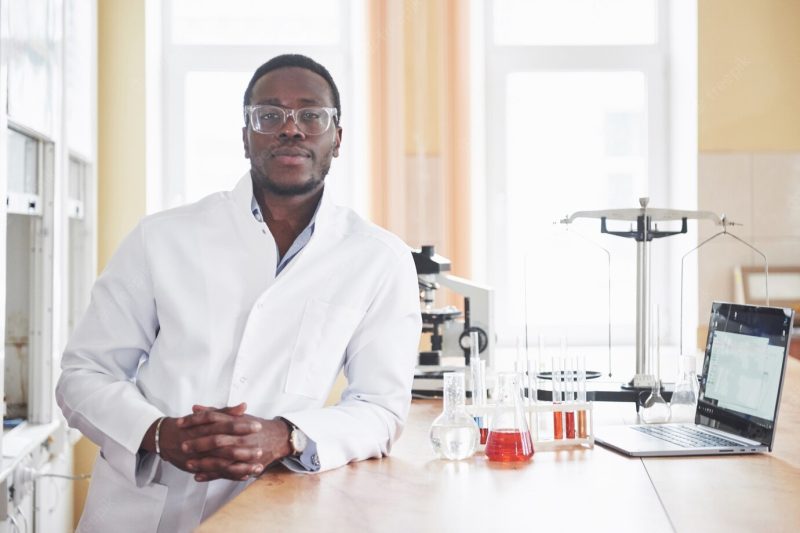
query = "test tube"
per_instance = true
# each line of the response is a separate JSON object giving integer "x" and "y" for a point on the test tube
{"x": 582, "y": 433}
{"x": 478, "y": 391}
{"x": 533, "y": 388}
{"x": 558, "y": 421}
{"x": 570, "y": 415}
{"x": 527, "y": 386}
{"x": 541, "y": 366}
{"x": 482, "y": 391}
{"x": 521, "y": 368}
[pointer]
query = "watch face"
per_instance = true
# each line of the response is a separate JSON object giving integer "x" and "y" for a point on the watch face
{"x": 299, "y": 441}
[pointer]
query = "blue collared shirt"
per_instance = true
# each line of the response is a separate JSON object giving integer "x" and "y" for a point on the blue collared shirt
{"x": 298, "y": 244}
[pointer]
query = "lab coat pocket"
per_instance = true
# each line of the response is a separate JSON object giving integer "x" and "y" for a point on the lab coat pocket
{"x": 113, "y": 503}
{"x": 318, "y": 352}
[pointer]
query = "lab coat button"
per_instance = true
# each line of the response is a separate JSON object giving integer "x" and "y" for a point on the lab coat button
{"x": 242, "y": 379}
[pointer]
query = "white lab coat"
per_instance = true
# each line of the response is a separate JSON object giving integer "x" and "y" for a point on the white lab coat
{"x": 189, "y": 311}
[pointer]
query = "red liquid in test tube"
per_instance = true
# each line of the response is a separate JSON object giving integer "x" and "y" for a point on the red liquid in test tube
{"x": 558, "y": 425}
{"x": 570, "y": 416}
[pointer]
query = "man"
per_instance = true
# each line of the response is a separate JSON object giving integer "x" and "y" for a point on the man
{"x": 216, "y": 331}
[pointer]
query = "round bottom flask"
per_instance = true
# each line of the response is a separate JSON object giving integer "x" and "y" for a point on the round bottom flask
{"x": 454, "y": 434}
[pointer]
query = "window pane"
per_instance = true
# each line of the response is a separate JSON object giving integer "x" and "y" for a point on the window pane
{"x": 575, "y": 141}
{"x": 78, "y": 76}
{"x": 22, "y": 163}
{"x": 574, "y": 22}
{"x": 76, "y": 179}
{"x": 300, "y": 22}
{"x": 213, "y": 123}
{"x": 34, "y": 55}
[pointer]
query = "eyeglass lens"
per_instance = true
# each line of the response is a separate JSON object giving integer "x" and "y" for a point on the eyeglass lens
{"x": 309, "y": 120}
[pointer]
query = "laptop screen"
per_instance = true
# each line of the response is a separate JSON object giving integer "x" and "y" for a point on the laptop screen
{"x": 743, "y": 369}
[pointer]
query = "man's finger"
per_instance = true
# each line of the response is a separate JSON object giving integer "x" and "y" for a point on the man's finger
{"x": 210, "y": 468}
{"x": 207, "y": 465}
{"x": 209, "y": 443}
{"x": 204, "y": 417}
{"x": 237, "y": 451}
{"x": 234, "y": 410}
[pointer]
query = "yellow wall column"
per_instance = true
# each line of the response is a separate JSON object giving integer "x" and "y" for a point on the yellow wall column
{"x": 121, "y": 123}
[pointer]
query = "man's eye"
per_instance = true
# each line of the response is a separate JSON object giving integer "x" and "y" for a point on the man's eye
{"x": 311, "y": 115}
{"x": 269, "y": 116}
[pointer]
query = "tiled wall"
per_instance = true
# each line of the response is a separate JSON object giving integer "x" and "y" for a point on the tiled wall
{"x": 761, "y": 191}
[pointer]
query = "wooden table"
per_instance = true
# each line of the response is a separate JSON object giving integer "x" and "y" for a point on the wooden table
{"x": 577, "y": 489}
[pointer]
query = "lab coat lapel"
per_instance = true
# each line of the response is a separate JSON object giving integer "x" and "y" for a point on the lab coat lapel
{"x": 324, "y": 227}
{"x": 257, "y": 240}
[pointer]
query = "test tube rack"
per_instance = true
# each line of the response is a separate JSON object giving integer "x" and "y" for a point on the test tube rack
{"x": 534, "y": 410}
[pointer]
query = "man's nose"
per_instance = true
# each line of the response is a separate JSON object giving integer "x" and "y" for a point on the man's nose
{"x": 289, "y": 128}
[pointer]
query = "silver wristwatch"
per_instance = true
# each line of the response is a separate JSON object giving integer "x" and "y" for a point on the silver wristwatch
{"x": 297, "y": 439}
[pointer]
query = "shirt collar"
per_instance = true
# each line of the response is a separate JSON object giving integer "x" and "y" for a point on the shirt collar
{"x": 243, "y": 197}
{"x": 256, "y": 210}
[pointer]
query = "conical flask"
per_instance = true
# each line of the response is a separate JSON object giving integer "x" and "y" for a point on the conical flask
{"x": 655, "y": 409}
{"x": 684, "y": 399}
{"x": 509, "y": 437}
{"x": 454, "y": 434}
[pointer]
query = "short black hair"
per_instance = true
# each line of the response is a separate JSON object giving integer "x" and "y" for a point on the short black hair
{"x": 294, "y": 60}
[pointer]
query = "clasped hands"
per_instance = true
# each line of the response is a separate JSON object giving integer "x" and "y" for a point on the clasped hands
{"x": 223, "y": 443}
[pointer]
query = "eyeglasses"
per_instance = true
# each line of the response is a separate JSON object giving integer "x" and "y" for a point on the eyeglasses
{"x": 270, "y": 118}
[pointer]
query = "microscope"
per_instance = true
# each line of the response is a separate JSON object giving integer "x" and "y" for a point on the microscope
{"x": 478, "y": 314}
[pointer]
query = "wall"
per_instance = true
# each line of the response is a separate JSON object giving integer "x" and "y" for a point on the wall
{"x": 749, "y": 62}
{"x": 749, "y": 136}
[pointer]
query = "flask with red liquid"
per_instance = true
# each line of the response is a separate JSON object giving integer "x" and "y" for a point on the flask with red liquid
{"x": 509, "y": 438}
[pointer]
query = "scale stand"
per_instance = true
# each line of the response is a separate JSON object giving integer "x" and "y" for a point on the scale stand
{"x": 644, "y": 233}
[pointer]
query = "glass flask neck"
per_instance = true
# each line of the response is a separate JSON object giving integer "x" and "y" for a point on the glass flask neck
{"x": 686, "y": 365}
{"x": 507, "y": 389}
{"x": 453, "y": 392}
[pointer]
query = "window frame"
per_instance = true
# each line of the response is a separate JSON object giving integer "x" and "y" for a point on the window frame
{"x": 489, "y": 186}
{"x": 177, "y": 60}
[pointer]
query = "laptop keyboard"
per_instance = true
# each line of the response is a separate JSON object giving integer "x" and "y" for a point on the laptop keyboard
{"x": 686, "y": 436}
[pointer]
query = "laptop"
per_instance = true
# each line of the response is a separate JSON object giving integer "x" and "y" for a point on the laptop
{"x": 740, "y": 390}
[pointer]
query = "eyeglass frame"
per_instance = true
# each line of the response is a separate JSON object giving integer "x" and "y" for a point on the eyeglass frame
{"x": 290, "y": 112}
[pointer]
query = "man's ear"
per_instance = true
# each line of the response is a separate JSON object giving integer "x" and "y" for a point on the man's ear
{"x": 245, "y": 143}
{"x": 337, "y": 141}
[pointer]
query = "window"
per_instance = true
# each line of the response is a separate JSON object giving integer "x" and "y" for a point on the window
{"x": 24, "y": 179}
{"x": 574, "y": 22}
{"x": 28, "y": 268}
{"x": 576, "y": 119}
{"x": 80, "y": 264}
{"x": 210, "y": 50}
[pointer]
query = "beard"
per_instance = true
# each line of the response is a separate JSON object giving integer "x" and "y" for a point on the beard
{"x": 266, "y": 183}
{"x": 263, "y": 181}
